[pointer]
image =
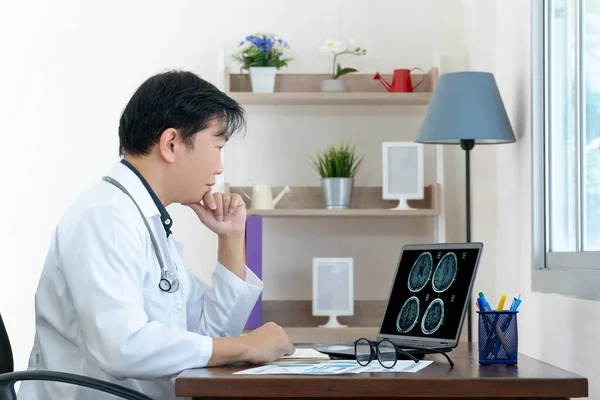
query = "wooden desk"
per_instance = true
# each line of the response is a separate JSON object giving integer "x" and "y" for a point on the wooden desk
{"x": 530, "y": 379}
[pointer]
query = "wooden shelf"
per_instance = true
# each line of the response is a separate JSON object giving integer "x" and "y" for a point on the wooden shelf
{"x": 305, "y": 89}
{"x": 343, "y": 213}
{"x": 366, "y": 202}
{"x": 319, "y": 99}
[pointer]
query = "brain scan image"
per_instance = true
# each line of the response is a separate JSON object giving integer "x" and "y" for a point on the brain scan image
{"x": 445, "y": 272}
{"x": 433, "y": 317}
{"x": 408, "y": 315}
{"x": 420, "y": 272}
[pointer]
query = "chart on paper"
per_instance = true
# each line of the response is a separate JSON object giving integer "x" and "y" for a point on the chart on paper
{"x": 332, "y": 368}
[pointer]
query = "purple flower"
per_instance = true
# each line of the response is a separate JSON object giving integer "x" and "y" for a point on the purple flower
{"x": 241, "y": 43}
{"x": 263, "y": 43}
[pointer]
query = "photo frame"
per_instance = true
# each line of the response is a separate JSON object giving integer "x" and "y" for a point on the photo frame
{"x": 402, "y": 172}
{"x": 333, "y": 289}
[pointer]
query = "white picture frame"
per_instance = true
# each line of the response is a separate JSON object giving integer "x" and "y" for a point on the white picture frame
{"x": 333, "y": 289}
{"x": 402, "y": 172}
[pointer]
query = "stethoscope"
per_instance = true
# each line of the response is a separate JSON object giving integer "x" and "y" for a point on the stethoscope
{"x": 168, "y": 280}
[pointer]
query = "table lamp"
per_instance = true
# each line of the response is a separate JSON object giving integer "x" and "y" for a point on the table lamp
{"x": 466, "y": 109}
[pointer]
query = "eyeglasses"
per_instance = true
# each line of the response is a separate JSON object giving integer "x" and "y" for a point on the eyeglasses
{"x": 386, "y": 352}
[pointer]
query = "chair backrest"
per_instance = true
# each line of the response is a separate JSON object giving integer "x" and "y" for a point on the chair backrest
{"x": 6, "y": 356}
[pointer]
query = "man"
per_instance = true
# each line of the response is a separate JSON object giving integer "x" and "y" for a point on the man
{"x": 115, "y": 300}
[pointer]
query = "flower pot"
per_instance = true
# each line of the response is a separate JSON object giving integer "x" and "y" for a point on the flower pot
{"x": 262, "y": 79}
{"x": 332, "y": 85}
{"x": 337, "y": 192}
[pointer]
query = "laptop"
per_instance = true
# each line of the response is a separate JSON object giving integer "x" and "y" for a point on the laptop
{"x": 427, "y": 302}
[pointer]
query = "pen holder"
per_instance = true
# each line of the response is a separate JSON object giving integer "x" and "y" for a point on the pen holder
{"x": 498, "y": 337}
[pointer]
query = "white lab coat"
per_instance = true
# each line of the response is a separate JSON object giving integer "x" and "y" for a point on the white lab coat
{"x": 100, "y": 312}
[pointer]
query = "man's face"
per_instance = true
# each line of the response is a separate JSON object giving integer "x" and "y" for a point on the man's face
{"x": 199, "y": 165}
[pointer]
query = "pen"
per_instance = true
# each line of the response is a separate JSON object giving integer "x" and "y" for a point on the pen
{"x": 494, "y": 343}
{"x": 484, "y": 302}
{"x": 501, "y": 303}
{"x": 486, "y": 321}
{"x": 490, "y": 322}
{"x": 486, "y": 306}
{"x": 480, "y": 304}
{"x": 514, "y": 306}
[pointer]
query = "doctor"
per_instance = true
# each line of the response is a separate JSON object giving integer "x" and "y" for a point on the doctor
{"x": 116, "y": 300}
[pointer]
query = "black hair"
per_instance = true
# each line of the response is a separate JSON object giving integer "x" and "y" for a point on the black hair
{"x": 179, "y": 100}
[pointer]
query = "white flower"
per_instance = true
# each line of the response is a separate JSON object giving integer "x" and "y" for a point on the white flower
{"x": 333, "y": 46}
{"x": 245, "y": 47}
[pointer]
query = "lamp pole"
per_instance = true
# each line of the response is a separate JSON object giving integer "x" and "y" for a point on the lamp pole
{"x": 467, "y": 145}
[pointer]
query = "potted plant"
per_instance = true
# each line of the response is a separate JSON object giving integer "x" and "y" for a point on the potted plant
{"x": 334, "y": 84}
{"x": 262, "y": 54}
{"x": 337, "y": 166}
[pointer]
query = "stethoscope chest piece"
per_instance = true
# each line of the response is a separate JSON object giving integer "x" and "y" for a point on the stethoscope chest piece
{"x": 168, "y": 281}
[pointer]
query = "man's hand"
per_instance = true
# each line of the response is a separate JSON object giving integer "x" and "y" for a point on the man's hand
{"x": 264, "y": 344}
{"x": 222, "y": 213}
{"x": 267, "y": 343}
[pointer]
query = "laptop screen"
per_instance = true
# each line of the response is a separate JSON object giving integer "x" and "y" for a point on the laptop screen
{"x": 430, "y": 290}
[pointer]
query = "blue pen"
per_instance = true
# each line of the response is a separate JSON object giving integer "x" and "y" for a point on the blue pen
{"x": 496, "y": 335}
{"x": 485, "y": 303}
{"x": 489, "y": 322}
{"x": 486, "y": 323}
{"x": 481, "y": 305}
{"x": 515, "y": 304}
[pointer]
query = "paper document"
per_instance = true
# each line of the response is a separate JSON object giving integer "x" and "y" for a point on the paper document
{"x": 302, "y": 354}
{"x": 332, "y": 368}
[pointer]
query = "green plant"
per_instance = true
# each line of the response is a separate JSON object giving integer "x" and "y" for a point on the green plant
{"x": 337, "y": 162}
{"x": 337, "y": 49}
{"x": 262, "y": 50}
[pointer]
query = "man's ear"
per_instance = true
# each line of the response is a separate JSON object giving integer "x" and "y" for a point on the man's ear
{"x": 167, "y": 144}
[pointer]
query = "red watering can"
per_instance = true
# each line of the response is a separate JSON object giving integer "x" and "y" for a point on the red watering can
{"x": 401, "y": 81}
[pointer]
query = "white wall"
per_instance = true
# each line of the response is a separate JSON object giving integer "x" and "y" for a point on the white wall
{"x": 68, "y": 67}
{"x": 557, "y": 329}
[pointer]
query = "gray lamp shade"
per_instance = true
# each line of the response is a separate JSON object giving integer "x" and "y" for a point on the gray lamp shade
{"x": 466, "y": 106}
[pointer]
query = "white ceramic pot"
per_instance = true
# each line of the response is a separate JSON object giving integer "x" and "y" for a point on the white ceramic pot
{"x": 262, "y": 79}
{"x": 332, "y": 85}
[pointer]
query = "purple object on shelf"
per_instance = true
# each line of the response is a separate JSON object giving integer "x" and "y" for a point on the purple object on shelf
{"x": 254, "y": 262}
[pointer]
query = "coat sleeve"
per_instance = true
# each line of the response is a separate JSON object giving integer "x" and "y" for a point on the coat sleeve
{"x": 103, "y": 260}
{"x": 222, "y": 309}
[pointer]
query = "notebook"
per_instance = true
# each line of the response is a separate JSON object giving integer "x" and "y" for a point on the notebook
{"x": 305, "y": 354}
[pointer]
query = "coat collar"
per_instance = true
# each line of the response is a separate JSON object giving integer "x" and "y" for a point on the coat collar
{"x": 141, "y": 191}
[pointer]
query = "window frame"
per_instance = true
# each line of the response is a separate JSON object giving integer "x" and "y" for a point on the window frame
{"x": 570, "y": 273}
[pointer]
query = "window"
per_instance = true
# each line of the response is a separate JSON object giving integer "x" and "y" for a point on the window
{"x": 566, "y": 146}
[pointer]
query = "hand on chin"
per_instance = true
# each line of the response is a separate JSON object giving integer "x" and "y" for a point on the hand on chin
{"x": 222, "y": 213}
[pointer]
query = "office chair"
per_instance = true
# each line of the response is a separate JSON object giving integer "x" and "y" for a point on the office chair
{"x": 8, "y": 377}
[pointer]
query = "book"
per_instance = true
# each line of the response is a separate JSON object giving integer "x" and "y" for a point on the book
{"x": 305, "y": 354}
